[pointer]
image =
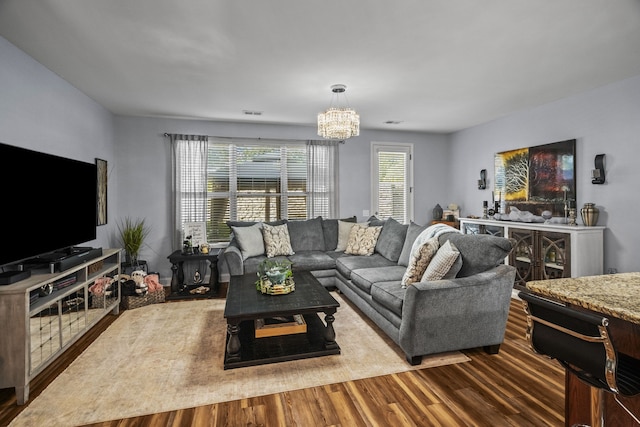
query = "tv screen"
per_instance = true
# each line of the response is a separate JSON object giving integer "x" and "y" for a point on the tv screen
{"x": 48, "y": 203}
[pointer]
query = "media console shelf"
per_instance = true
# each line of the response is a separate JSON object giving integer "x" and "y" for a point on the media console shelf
{"x": 48, "y": 312}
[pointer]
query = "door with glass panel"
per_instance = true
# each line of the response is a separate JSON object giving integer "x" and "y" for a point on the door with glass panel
{"x": 392, "y": 176}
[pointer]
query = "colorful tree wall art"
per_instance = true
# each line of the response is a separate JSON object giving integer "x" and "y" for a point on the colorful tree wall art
{"x": 537, "y": 178}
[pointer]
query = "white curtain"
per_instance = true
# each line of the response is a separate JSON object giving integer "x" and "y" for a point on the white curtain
{"x": 189, "y": 182}
{"x": 322, "y": 175}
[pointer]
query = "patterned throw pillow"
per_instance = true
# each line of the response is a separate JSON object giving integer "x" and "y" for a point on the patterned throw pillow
{"x": 362, "y": 240}
{"x": 419, "y": 261}
{"x": 276, "y": 240}
{"x": 344, "y": 231}
{"x": 442, "y": 263}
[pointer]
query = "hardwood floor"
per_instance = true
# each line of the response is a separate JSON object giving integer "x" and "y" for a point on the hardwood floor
{"x": 512, "y": 388}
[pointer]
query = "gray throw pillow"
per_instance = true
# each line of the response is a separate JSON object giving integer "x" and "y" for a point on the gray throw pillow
{"x": 413, "y": 231}
{"x": 391, "y": 239}
{"x": 479, "y": 252}
{"x": 330, "y": 231}
{"x": 306, "y": 235}
{"x": 249, "y": 240}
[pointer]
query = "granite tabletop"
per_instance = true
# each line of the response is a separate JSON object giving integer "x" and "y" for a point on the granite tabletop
{"x": 616, "y": 295}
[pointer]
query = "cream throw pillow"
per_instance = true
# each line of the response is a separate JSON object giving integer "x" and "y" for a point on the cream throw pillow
{"x": 344, "y": 229}
{"x": 362, "y": 240}
{"x": 276, "y": 240}
{"x": 442, "y": 263}
{"x": 419, "y": 261}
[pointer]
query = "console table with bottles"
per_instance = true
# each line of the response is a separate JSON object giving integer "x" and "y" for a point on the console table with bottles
{"x": 546, "y": 251}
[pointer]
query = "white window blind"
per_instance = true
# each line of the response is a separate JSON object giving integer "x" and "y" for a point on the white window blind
{"x": 255, "y": 181}
{"x": 219, "y": 179}
{"x": 392, "y": 192}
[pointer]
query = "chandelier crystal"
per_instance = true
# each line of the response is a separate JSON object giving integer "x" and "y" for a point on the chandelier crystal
{"x": 338, "y": 122}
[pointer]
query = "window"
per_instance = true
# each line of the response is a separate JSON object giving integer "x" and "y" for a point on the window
{"x": 253, "y": 180}
{"x": 392, "y": 181}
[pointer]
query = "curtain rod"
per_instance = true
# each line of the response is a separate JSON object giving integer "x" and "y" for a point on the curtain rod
{"x": 259, "y": 139}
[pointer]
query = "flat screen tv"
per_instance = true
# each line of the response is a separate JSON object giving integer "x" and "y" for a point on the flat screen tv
{"x": 48, "y": 203}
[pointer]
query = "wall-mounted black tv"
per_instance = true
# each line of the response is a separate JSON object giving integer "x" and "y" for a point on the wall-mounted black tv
{"x": 48, "y": 203}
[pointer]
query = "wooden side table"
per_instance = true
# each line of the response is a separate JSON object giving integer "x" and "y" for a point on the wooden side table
{"x": 179, "y": 290}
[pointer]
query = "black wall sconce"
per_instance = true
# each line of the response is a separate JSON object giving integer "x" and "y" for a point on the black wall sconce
{"x": 597, "y": 174}
{"x": 482, "y": 182}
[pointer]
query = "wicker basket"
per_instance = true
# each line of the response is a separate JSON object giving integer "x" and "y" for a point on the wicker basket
{"x": 128, "y": 302}
{"x": 95, "y": 267}
{"x": 102, "y": 301}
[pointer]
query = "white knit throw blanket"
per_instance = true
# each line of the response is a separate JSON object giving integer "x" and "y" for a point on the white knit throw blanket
{"x": 434, "y": 230}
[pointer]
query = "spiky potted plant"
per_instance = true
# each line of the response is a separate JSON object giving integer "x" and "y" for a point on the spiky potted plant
{"x": 133, "y": 232}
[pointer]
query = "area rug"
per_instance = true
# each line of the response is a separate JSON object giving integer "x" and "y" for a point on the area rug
{"x": 169, "y": 356}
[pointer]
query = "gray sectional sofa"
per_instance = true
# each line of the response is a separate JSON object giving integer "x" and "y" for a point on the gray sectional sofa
{"x": 466, "y": 310}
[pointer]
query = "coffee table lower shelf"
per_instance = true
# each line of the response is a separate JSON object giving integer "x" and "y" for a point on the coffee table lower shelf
{"x": 260, "y": 351}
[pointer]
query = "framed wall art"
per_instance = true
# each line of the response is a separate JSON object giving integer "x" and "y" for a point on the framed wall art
{"x": 101, "y": 166}
{"x": 536, "y": 179}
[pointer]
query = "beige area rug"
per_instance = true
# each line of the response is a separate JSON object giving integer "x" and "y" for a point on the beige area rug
{"x": 169, "y": 356}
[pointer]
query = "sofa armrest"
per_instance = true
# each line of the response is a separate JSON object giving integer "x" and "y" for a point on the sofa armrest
{"x": 230, "y": 263}
{"x": 466, "y": 312}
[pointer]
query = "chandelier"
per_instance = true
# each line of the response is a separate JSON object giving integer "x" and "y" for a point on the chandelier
{"x": 338, "y": 122}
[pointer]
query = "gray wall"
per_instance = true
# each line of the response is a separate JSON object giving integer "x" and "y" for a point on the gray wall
{"x": 144, "y": 170}
{"x": 42, "y": 112}
{"x": 605, "y": 120}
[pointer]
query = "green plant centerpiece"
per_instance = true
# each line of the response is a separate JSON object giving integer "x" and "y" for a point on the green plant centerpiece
{"x": 275, "y": 277}
{"x": 133, "y": 232}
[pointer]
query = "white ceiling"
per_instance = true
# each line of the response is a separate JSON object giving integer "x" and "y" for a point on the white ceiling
{"x": 436, "y": 66}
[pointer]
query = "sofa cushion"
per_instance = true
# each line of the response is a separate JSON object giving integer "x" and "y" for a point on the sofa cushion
{"x": 375, "y": 221}
{"x": 389, "y": 294}
{"x": 479, "y": 252}
{"x": 442, "y": 263}
{"x": 306, "y": 235}
{"x": 364, "y": 278}
{"x": 312, "y": 260}
{"x": 344, "y": 230}
{"x": 330, "y": 231}
{"x": 362, "y": 240}
{"x": 276, "y": 240}
{"x": 391, "y": 239}
{"x": 335, "y": 254}
{"x": 413, "y": 231}
{"x": 250, "y": 240}
{"x": 419, "y": 261}
{"x": 347, "y": 263}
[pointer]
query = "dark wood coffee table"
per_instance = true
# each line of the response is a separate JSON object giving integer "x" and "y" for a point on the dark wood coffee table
{"x": 245, "y": 304}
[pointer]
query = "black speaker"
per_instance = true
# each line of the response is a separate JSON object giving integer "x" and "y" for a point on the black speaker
{"x": 10, "y": 277}
{"x": 78, "y": 258}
